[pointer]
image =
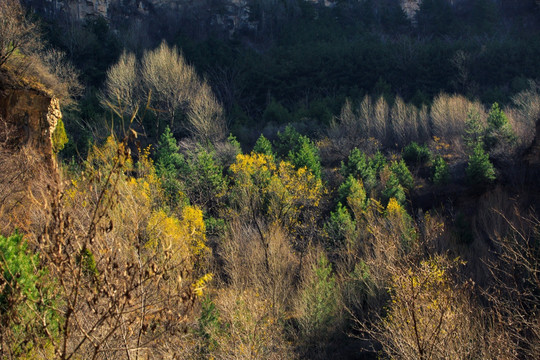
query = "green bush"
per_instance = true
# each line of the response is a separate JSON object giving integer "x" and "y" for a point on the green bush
{"x": 393, "y": 189}
{"x": 205, "y": 184}
{"x": 415, "y": 154}
{"x": 288, "y": 140}
{"x": 360, "y": 167}
{"x": 169, "y": 165}
{"x": 208, "y": 325}
{"x": 440, "y": 171}
{"x": 499, "y": 130}
{"x": 87, "y": 262}
{"x": 25, "y": 303}
{"x": 479, "y": 169}
{"x": 59, "y": 137}
{"x": 378, "y": 162}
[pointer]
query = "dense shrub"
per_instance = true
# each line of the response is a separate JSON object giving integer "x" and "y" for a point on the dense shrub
{"x": 479, "y": 169}
{"x": 415, "y": 154}
{"x": 440, "y": 171}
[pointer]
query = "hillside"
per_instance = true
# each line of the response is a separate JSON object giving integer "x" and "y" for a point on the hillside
{"x": 269, "y": 179}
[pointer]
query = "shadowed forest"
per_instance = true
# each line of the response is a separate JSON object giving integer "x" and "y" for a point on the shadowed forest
{"x": 267, "y": 179}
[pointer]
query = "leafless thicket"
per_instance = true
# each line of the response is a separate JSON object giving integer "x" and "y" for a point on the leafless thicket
{"x": 260, "y": 257}
{"x": 412, "y": 299}
{"x": 255, "y": 294}
{"x": 514, "y": 294}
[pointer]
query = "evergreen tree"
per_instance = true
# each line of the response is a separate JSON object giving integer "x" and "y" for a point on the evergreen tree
{"x": 204, "y": 180}
{"x": 499, "y": 130}
{"x": 393, "y": 189}
{"x": 170, "y": 165}
{"x": 339, "y": 227}
{"x": 479, "y": 169}
{"x": 169, "y": 161}
{"x": 404, "y": 176}
{"x": 360, "y": 167}
{"x": 263, "y": 146}
{"x": 441, "y": 174}
{"x": 307, "y": 155}
{"x": 474, "y": 131}
{"x": 288, "y": 140}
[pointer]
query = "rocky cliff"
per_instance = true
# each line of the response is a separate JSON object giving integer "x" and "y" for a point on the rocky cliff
{"x": 28, "y": 168}
{"x": 29, "y": 118}
{"x": 229, "y": 16}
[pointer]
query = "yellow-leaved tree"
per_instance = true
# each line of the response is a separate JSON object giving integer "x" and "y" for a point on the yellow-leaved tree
{"x": 279, "y": 193}
{"x": 429, "y": 315}
{"x": 126, "y": 269}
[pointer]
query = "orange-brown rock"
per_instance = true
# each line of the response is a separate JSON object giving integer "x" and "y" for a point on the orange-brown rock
{"x": 29, "y": 118}
{"x": 28, "y": 169}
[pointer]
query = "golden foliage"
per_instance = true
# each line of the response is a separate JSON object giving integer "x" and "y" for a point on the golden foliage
{"x": 279, "y": 191}
{"x": 428, "y": 317}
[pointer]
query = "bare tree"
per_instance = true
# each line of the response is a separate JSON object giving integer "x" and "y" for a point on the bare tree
{"x": 173, "y": 89}
{"x": 121, "y": 85}
{"x": 24, "y": 57}
{"x": 206, "y": 120}
{"x": 171, "y": 81}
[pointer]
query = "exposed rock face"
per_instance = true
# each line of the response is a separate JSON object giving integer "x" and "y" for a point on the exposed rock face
{"x": 28, "y": 168}
{"x": 78, "y": 9}
{"x": 30, "y": 117}
{"x": 229, "y": 15}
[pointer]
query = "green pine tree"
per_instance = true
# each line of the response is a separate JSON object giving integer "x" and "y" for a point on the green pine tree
{"x": 263, "y": 146}
{"x": 307, "y": 154}
{"x": 479, "y": 169}
{"x": 441, "y": 173}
